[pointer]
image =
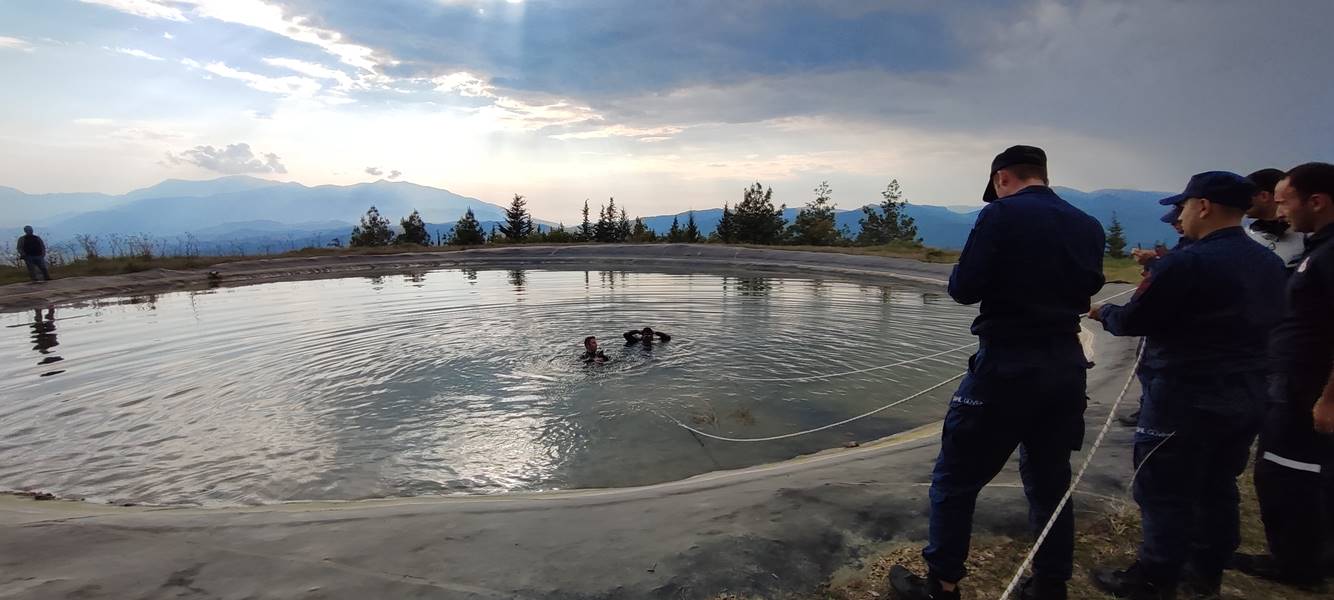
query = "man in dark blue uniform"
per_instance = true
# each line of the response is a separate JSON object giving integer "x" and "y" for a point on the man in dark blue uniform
{"x": 1033, "y": 261}
{"x": 1295, "y": 442}
{"x": 1207, "y": 311}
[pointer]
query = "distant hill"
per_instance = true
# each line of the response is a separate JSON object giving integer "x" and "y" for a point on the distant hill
{"x": 175, "y": 207}
{"x": 251, "y": 213}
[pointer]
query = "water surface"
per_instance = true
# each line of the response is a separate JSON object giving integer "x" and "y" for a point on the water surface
{"x": 451, "y": 381}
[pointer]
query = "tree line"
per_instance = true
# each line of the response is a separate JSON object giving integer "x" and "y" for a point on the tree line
{"x": 753, "y": 220}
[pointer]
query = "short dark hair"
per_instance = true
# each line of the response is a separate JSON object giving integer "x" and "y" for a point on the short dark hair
{"x": 1312, "y": 178}
{"x": 1266, "y": 179}
{"x": 1026, "y": 172}
{"x": 646, "y": 331}
{"x": 589, "y": 339}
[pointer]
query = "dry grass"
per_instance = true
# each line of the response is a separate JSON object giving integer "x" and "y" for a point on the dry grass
{"x": 1103, "y": 540}
{"x": 1122, "y": 269}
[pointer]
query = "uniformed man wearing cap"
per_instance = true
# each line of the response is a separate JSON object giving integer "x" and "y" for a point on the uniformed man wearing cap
{"x": 1033, "y": 261}
{"x": 1207, "y": 311}
{"x": 1296, "y": 443}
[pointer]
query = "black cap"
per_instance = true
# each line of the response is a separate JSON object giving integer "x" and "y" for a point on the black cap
{"x": 1014, "y": 155}
{"x": 1219, "y": 187}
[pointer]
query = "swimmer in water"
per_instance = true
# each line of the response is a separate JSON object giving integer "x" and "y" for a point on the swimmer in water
{"x": 591, "y": 352}
{"x": 645, "y": 336}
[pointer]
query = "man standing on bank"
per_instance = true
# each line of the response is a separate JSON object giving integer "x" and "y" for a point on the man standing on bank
{"x": 1207, "y": 311}
{"x": 1296, "y": 442}
{"x": 1033, "y": 261}
{"x": 33, "y": 252}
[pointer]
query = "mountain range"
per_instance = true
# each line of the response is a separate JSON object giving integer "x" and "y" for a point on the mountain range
{"x": 254, "y": 215}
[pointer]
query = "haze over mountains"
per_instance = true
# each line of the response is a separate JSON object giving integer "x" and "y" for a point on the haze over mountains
{"x": 255, "y": 214}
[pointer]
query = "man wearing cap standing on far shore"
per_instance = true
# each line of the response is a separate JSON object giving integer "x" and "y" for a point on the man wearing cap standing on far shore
{"x": 1206, "y": 312}
{"x": 1033, "y": 261}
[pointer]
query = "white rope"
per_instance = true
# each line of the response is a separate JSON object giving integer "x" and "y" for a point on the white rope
{"x": 896, "y": 364}
{"x": 821, "y": 428}
{"x": 891, "y": 365}
{"x": 1111, "y": 414}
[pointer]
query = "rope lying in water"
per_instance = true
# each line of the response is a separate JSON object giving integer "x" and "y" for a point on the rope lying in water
{"x": 1042, "y": 537}
{"x": 895, "y": 364}
{"x": 891, "y": 404}
{"x": 823, "y": 427}
{"x": 888, "y": 366}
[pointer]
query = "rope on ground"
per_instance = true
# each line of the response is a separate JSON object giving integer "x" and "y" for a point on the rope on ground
{"x": 821, "y": 428}
{"x": 1111, "y": 414}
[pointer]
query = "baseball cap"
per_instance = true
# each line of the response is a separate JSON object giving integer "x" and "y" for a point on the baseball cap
{"x": 1172, "y": 216}
{"x": 1014, "y": 155}
{"x": 1220, "y": 187}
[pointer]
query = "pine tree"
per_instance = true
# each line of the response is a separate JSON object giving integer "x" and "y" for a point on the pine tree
{"x": 756, "y": 221}
{"x": 414, "y": 231}
{"x": 1116, "y": 239}
{"x": 641, "y": 234}
{"x": 494, "y": 237}
{"x": 467, "y": 232}
{"x": 586, "y": 229}
{"x": 623, "y": 230}
{"x": 373, "y": 231}
{"x": 691, "y": 234}
{"x": 518, "y": 222}
{"x": 674, "y": 234}
{"x": 888, "y": 221}
{"x": 814, "y": 225}
{"x": 726, "y": 231}
{"x": 605, "y": 230}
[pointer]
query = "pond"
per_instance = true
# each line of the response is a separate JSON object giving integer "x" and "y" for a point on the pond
{"x": 453, "y": 381}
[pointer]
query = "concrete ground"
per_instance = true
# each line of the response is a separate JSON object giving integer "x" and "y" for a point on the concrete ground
{"x": 766, "y": 531}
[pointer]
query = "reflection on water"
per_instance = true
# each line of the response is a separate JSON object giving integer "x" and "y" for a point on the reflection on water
{"x": 454, "y": 381}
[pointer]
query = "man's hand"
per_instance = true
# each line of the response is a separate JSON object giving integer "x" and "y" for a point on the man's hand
{"x": 1095, "y": 313}
{"x": 1323, "y": 414}
{"x": 1142, "y": 256}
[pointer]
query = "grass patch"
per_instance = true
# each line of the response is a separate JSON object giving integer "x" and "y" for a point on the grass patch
{"x": 1100, "y": 540}
{"x": 1122, "y": 269}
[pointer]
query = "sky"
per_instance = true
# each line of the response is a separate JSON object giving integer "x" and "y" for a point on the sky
{"x": 666, "y": 106}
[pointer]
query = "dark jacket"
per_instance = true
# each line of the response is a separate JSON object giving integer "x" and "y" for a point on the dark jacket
{"x": 1033, "y": 261}
{"x": 1302, "y": 346}
{"x": 31, "y": 245}
{"x": 1207, "y": 308}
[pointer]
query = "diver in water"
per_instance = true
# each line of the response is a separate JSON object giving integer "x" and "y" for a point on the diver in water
{"x": 645, "y": 336}
{"x": 591, "y": 353}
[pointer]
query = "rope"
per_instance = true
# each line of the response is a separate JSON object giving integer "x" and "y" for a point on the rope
{"x": 1111, "y": 414}
{"x": 891, "y": 365}
{"x": 896, "y": 364}
{"x": 821, "y": 428}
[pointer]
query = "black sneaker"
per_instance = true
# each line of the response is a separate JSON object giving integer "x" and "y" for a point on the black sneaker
{"x": 1036, "y": 588}
{"x": 1263, "y": 566}
{"x": 1199, "y": 587}
{"x": 1130, "y": 420}
{"x": 908, "y": 586}
{"x": 1131, "y": 583}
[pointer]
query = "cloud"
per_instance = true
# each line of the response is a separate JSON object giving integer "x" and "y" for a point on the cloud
{"x": 314, "y": 70}
{"x": 13, "y": 43}
{"x": 259, "y": 14}
{"x": 233, "y": 160}
{"x": 302, "y": 87}
{"x": 152, "y": 9}
{"x": 166, "y": 35}
{"x": 374, "y": 171}
{"x": 137, "y": 53}
{"x": 395, "y": 174}
{"x": 464, "y": 84}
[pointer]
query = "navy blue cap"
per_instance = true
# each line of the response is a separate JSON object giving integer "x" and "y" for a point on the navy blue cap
{"x": 1172, "y": 216}
{"x": 1219, "y": 187}
{"x": 1014, "y": 155}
